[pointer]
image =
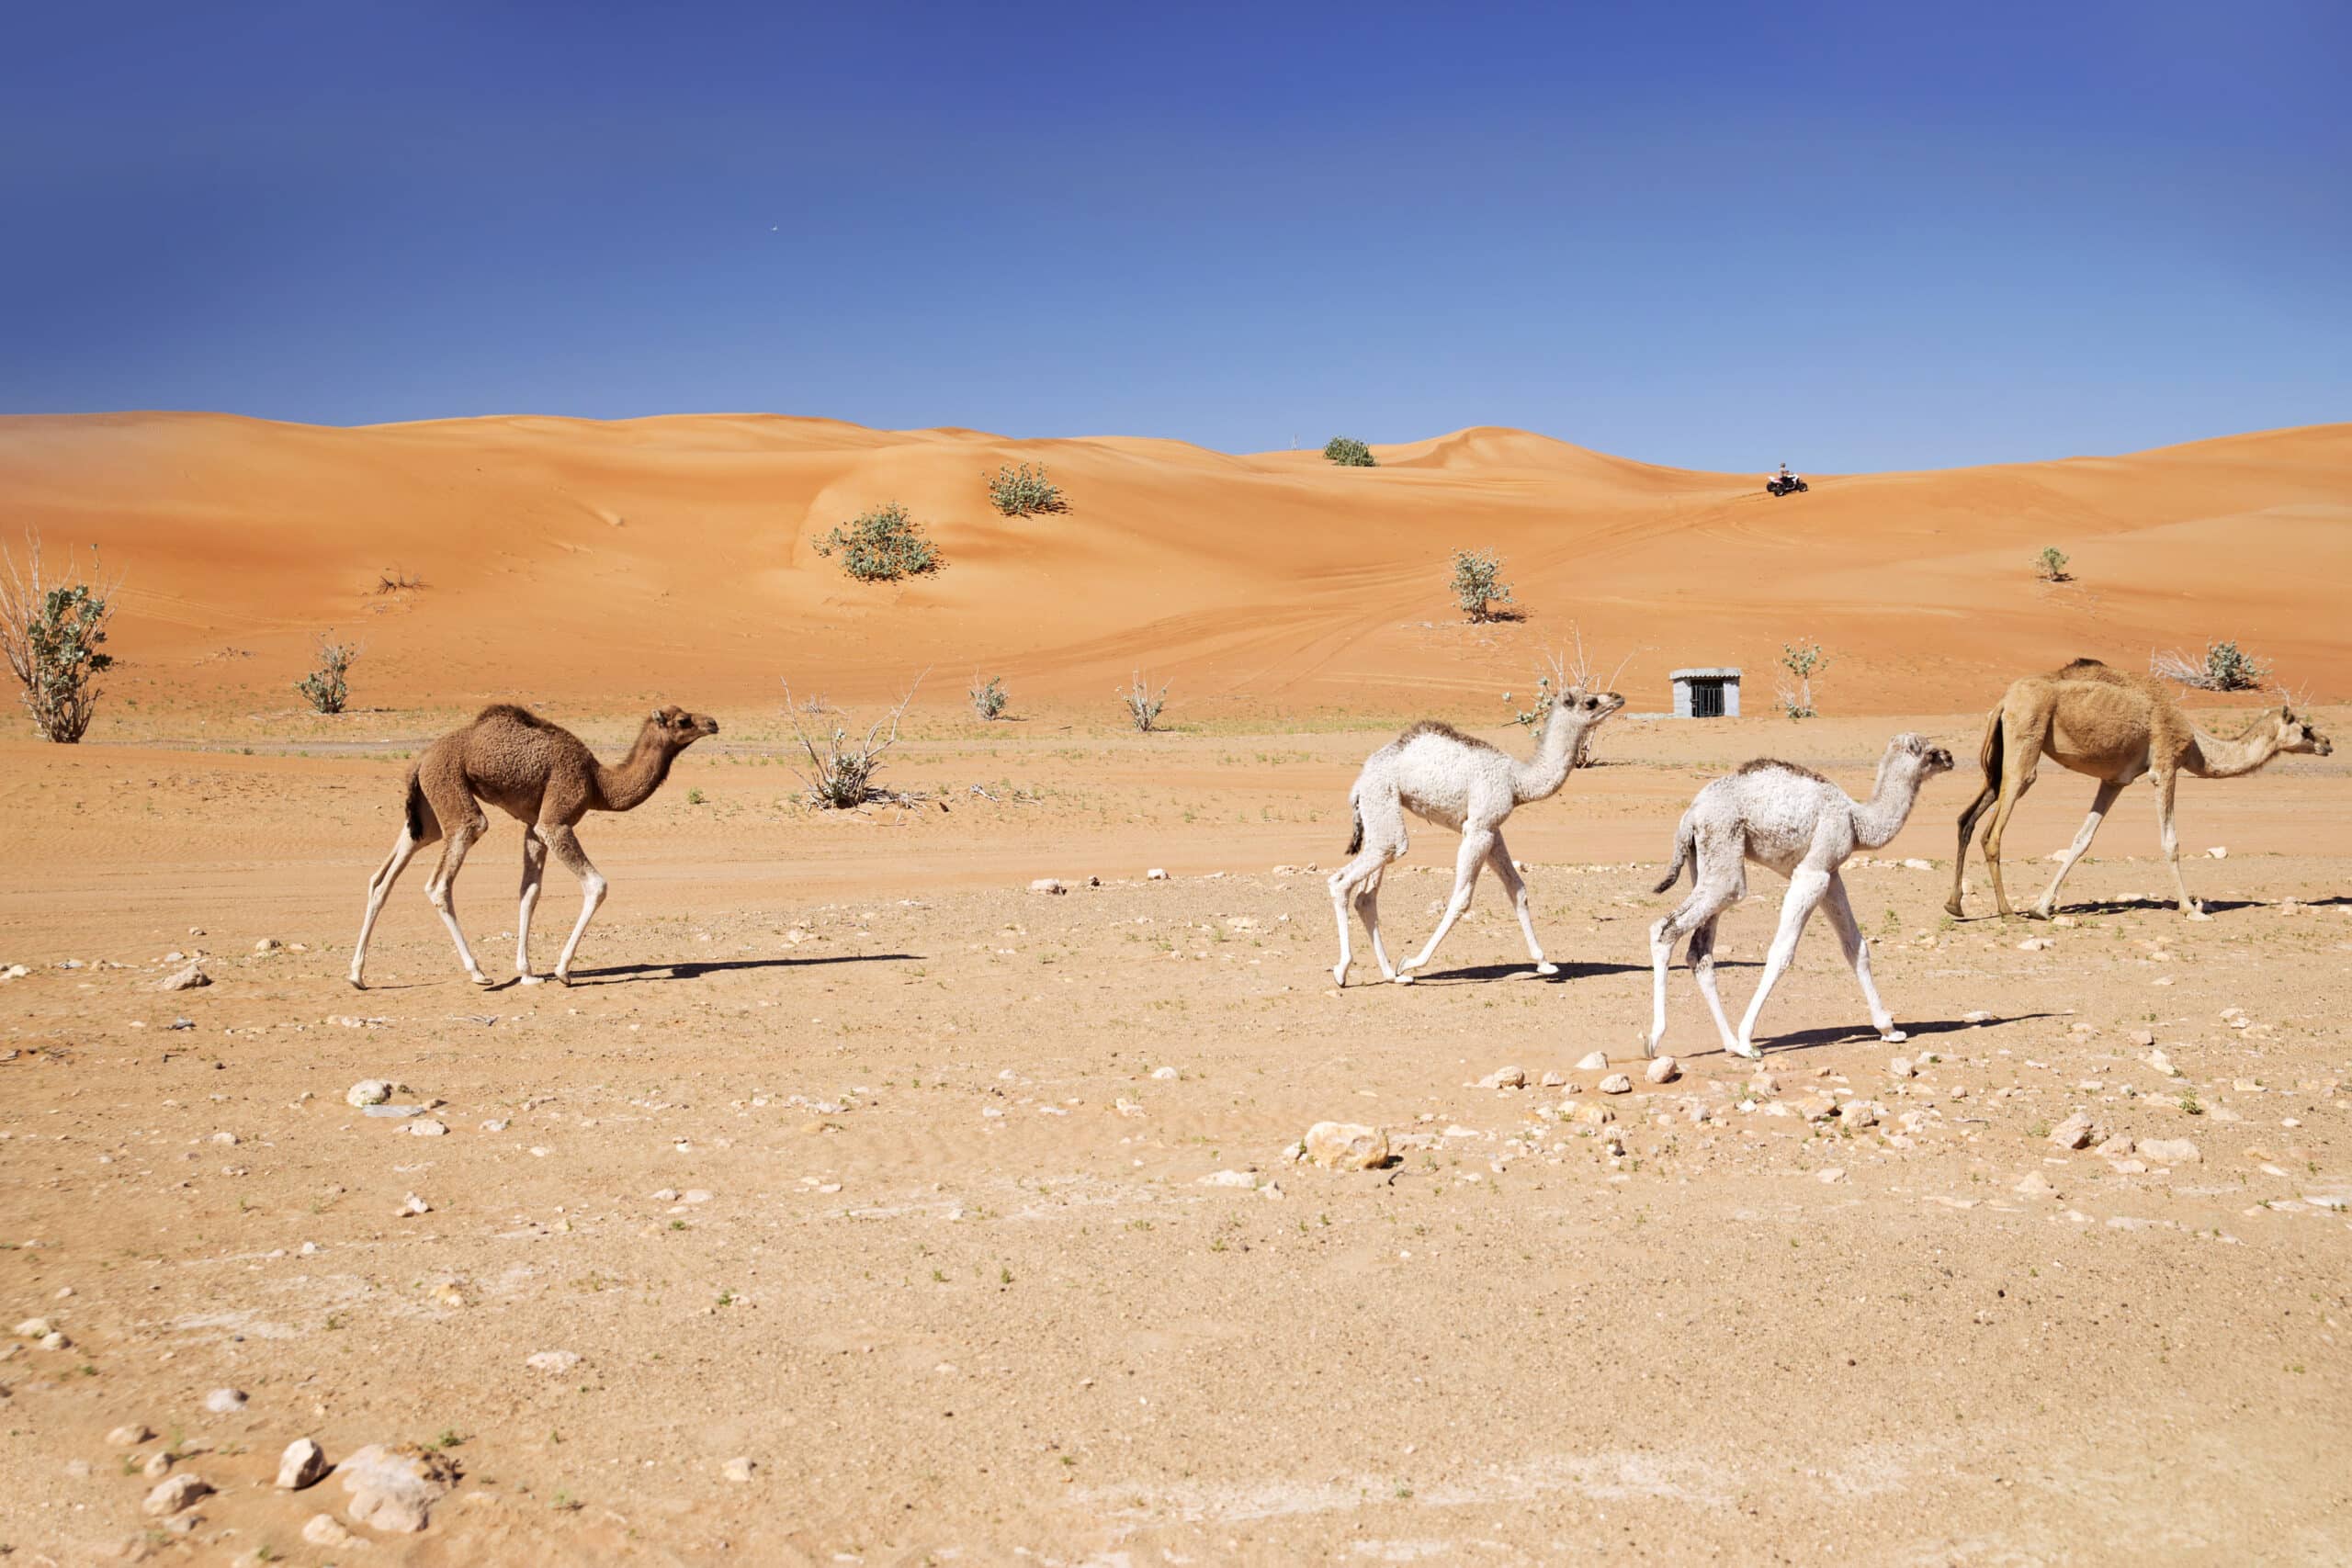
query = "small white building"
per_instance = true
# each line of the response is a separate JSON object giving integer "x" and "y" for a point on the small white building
{"x": 1706, "y": 693}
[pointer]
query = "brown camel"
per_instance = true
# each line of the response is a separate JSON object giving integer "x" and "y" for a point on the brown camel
{"x": 546, "y": 778}
{"x": 2114, "y": 727}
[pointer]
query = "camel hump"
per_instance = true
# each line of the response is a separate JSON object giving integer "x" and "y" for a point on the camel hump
{"x": 2086, "y": 669}
{"x": 511, "y": 713}
{"x": 1774, "y": 765}
{"x": 1444, "y": 731}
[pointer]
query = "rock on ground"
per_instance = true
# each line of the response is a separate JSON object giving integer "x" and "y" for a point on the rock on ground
{"x": 1616, "y": 1083}
{"x": 367, "y": 1091}
{"x": 1505, "y": 1078}
{"x": 552, "y": 1361}
{"x": 739, "y": 1469}
{"x": 304, "y": 1463}
{"x": 2169, "y": 1151}
{"x": 395, "y": 1488}
{"x": 322, "y": 1530}
{"x": 225, "y": 1401}
{"x": 178, "y": 1492}
{"x": 2075, "y": 1131}
{"x": 186, "y": 979}
{"x": 1666, "y": 1070}
{"x": 1597, "y": 1061}
{"x": 129, "y": 1435}
{"x": 1346, "y": 1146}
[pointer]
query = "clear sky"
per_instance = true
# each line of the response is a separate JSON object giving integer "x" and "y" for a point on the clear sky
{"x": 1875, "y": 235}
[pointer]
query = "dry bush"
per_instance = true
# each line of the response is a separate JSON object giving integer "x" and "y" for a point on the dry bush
{"x": 989, "y": 698}
{"x": 397, "y": 580}
{"x": 840, "y": 777}
{"x": 2224, "y": 667}
{"x": 325, "y": 687}
{"x": 1143, "y": 703}
{"x": 51, "y": 632}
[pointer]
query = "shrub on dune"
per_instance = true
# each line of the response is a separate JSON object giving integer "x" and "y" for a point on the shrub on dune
{"x": 883, "y": 545}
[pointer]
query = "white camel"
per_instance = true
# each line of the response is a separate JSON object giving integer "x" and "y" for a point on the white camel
{"x": 1457, "y": 781}
{"x": 1800, "y": 825}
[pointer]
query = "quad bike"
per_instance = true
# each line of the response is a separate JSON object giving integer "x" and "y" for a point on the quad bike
{"x": 1778, "y": 485}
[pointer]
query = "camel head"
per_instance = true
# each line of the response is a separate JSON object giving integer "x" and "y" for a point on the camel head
{"x": 2296, "y": 734}
{"x": 678, "y": 728}
{"x": 1918, "y": 752}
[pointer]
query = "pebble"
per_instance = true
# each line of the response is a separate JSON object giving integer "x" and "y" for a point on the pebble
{"x": 2143, "y": 1038}
{"x": 2169, "y": 1151}
{"x": 427, "y": 1129}
{"x": 1046, "y": 884}
{"x": 2163, "y": 1063}
{"x": 2035, "y": 1185}
{"x": 395, "y": 1489}
{"x": 1835, "y": 1173}
{"x": 413, "y": 1204}
{"x": 56, "y": 1340}
{"x": 304, "y": 1463}
{"x": 1616, "y": 1083}
{"x": 178, "y": 1492}
{"x": 323, "y": 1530}
{"x": 224, "y": 1137}
{"x": 2219, "y": 851}
{"x": 1857, "y": 1113}
{"x": 186, "y": 979}
{"x": 1977, "y": 1015}
{"x": 225, "y": 1401}
{"x": 1346, "y": 1146}
{"x": 2035, "y": 945}
{"x": 552, "y": 1361}
{"x": 1154, "y": 874}
{"x": 267, "y": 944}
{"x": 129, "y": 1435}
{"x": 367, "y": 1091}
{"x": 2075, "y": 1131}
{"x": 1596, "y": 1063}
{"x": 34, "y": 1328}
{"x": 1590, "y": 1112}
{"x": 1505, "y": 1078}
{"x": 1229, "y": 1179}
{"x": 1665, "y": 1070}
{"x": 1901, "y": 1067}
{"x": 739, "y": 1470}
{"x": 1553, "y": 1080}
{"x": 158, "y": 1465}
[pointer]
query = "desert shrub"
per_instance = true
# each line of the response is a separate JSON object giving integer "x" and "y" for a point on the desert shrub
{"x": 881, "y": 546}
{"x": 1802, "y": 661}
{"x": 1143, "y": 703}
{"x": 841, "y": 775}
{"x": 1350, "y": 453}
{"x": 988, "y": 699}
{"x": 398, "y": 579}
{"x": 1022, "y": 491}
{"x": 53, "y": 632}
{"x": 325, "y": 687}
{"x": 2224, "y": 667}
{"x": 2050, "y": 564}
{"x": 1477, "y": 585}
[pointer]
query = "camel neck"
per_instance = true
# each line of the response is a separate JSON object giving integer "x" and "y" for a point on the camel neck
{"x": 1541, "y": 776}
{"x": 1879, "y": 818}
{"x": 2210, "y": 757}
{"x": 625, "y": 785}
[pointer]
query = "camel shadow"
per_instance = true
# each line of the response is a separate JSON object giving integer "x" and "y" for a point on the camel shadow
{"x": 1477, "y": 972}
{"x": 2154, "y": 906}
{"x": 1833, "y": 1034}
{"x": 695, "y": 969}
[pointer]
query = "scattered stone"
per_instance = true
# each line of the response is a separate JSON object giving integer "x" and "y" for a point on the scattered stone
{"x": 1977, "y": 1015}
{"x": 1154, "y": 874}
{"x": 1590, "y": 1112}
{"x": 2219, "y": 851}
{"x": 1857, "y": 1113}
{"x": 1616, "y": 1083}
{"x": 413, "y": 1204}
{"x": 1834, "y": 1173}
{"x": 1553, "y": 1080}
{"x": 1596, "y": 1063}
{"x": 1346, "y": 1146}
{"x": 427, "y": 1129}
{"x": 186, "y": 979}
{"x": 2143, "y": 1038}
{"x": 395, "y": 1488}
{"x": 1901, "y": 1067}
{"x": 2163, "y": 1063}
{"x": 1763, "y": 1083}
{"x": 2075, "y": 1131}
{"x": 267, "y": 944}
{"x": 739, "y": 1470}
{"x": 1815, "y": 1106}
{"x": 1046, "y": 884}
{"x": 171, "y": 1496}
{"x": 225, "y": 1401}
{"x": 322, "y": 1530}
{"x": 56, "y": 1340}
{"x": 2169, "y": 1151}
{"x": 1165, "y": 1073}
{"x": 304, "y": 1463}
{"x": 158, "y": 1465}
{"x": 2035, "y": 1185}
{"x": 1229, "y": 1179}
{"x": 1505, "y": 1078}
{"x": 552, "y": 1361}
{"x": 34, "y": 1328}
{"x": 129, "y": 1435}
{"x": 1665, "y": 1070}
{"x": 367, "y": 1091}
{"x": 2035, "y": 945}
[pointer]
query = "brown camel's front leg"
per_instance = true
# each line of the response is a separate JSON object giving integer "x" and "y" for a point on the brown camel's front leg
{"x": 2165, "y": 781}
{"x": 534, "y": 870}
{"x": 379, "y": 888}
{"x": 2107, "y": 790}
{"x": 442, "y": 890}
{"x": 566, "y": 846}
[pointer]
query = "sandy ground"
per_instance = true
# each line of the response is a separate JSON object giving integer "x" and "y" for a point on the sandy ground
{"x": 852, "y": 1157}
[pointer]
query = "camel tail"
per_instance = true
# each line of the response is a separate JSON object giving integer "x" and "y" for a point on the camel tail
{"x": 1355, "y": 839}
{"x": 415, "y": 807}
{"x": 1988, "y": 756}
{"x": 1682, "y": 858}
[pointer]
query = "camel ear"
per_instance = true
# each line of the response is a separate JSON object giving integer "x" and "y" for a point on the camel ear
{"x": 655, "y": 716}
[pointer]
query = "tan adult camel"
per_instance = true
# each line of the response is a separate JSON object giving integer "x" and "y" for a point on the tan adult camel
{"x": 2112, "y": 725}
{"x": 546, "y": 778}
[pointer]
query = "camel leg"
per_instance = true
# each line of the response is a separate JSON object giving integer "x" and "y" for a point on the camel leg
{"x": 2164, "y": 783}
{"x": 1858, "y": 956}
{"x": 1703, "y": 970}
{"x": 1806, "y": 886}
{"x": 2015, "y": 781}
{"x": 566, "y": 846}
{"x": 379, "y": 888}
{"x": 442, "y": 890}
{"x": 2108, "y": 792}
{"x": 1968, "y": 820}
{"x": 534, "y": 870}
{"x": 1711, "y": 894}
{"x": 1515, "y": 886}
{"x": 1475, "y": 842}
{"x": 1368, "y": 908}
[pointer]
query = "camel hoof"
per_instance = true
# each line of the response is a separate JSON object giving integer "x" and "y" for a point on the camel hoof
{"x": 1402, "y": 979}
{"x": 1544, "y": 968}
{"x": 2198, "y": 915}
{"x": 560, "y": 978}
{"x": 357, "y": 982}
{"x": 1746, "y": 1053}
{"x": 482, "y": 980}
{"x": 530, "y": 979}
{"x": 1894, "y": 1036}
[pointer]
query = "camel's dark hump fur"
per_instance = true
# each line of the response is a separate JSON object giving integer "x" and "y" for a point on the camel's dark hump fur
{"x": 512, "y": 714}
{"x": 1445, "y": 732}
{"x": 1767, "y": 764}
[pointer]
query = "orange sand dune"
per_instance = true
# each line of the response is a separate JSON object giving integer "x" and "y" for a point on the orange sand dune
{"x": 606, "y": 562}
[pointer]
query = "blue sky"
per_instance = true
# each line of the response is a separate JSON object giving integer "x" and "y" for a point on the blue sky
{"x": 1864, "y": 236}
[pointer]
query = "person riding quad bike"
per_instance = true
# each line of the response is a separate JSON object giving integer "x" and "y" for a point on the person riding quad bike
{"x": 1783, "y": 482}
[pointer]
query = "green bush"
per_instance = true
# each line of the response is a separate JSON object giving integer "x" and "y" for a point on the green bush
{"x": 881, "y": 546}
{"x": 1478, "y": 586}
{"x": 2224, "y": 667}
{"x": 1802, "y": 661}
{"x": 1349, "y": 453}
{"x": 1022, "y": 491}
{"x": 2050, "y": 564}
{"x": 325, "y": 686}
{"x": 51, "y": 633}
{"x": 988, "y": 700}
